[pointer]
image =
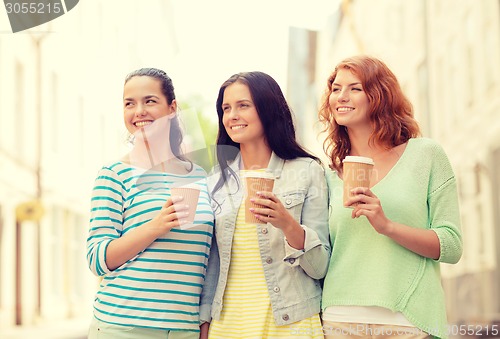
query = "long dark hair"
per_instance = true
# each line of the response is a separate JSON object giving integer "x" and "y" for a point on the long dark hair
{"x": 390, "y": 112}
{"x": 276, "y": 118}
{"x": 167, "y": 88}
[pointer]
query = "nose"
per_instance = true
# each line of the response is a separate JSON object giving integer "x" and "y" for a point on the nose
{"x": 343, "y": 96}
{"x": 140, "y": 110}
{"x": 233, "y": 114}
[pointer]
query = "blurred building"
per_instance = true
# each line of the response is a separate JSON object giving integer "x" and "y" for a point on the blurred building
{"x": 61, "y": 91}
{"x": 301, "y": 84}
{"x": 446, "y": 55}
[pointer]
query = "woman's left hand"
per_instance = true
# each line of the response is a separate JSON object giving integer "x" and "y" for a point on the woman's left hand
{"x": 272, "y": 211}
{"x": 424, "y": 242}
{"x": 369, "y": 206}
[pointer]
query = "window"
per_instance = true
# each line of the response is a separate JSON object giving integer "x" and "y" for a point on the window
{"x": 496, "y": 223}
{"x": 19, "y": 93}
{"x": 81, "y": 132}
{"x": 56, "y": 254}
{"x": 496, "y": 197}
{"x": 77, "y": 253}
{"x": 1, "y": 246}
{"x": 423, "y": 98}
{"x": 490, "y": 13}
{"x": 54, "y": 111}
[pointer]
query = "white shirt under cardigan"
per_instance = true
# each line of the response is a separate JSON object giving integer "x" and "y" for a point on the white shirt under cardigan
{"x": 365, "y": 315}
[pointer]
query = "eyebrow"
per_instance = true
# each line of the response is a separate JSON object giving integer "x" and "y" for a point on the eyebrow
{"x": 239, "y": 101}
{"x": 146, "y": 97}
{"x": 354, "y": 83}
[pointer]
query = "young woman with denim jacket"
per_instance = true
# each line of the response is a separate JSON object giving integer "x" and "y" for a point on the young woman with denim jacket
{"x": 264, "y": 279}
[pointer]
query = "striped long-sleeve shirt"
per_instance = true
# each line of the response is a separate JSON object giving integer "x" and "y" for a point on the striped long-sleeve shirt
{"x": 161, "y": 286}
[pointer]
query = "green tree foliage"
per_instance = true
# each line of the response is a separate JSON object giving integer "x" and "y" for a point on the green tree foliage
{"x": 200, "y": 126}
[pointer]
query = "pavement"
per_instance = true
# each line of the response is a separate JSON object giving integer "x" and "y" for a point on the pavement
{"x": 67, "y": 329}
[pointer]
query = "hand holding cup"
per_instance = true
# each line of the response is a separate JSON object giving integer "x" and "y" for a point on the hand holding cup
{"x": 356, "y": 172}
{"x": 256, "y": 182}
{"x": 190, "y": 197}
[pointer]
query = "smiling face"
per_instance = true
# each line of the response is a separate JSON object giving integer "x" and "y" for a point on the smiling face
{"x": 240, "y": 119}
{"x": 144, "y": 102}
{"x": 348, "y": 100}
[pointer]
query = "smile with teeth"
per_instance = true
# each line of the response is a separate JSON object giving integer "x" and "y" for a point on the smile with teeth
{"x": 344, "y": 109}
{"x": 238, "y": 127}
{"x": 143, "y": 123}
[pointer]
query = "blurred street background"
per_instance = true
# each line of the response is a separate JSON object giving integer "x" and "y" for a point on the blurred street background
{"x": 61, "y": 115}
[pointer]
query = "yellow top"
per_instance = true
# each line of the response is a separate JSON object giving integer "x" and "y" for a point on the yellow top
{"x": 247, "y": 311}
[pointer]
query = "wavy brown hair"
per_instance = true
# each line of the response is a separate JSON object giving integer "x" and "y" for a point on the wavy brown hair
{"x": 390, "y": 112}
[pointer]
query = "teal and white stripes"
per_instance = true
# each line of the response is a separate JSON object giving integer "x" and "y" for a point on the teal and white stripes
{"x": 161, "y": 286}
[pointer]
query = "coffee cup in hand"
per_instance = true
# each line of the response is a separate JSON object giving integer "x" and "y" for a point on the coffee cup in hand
{"x": 356, "y": 172}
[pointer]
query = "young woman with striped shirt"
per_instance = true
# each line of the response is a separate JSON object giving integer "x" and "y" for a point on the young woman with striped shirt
{"x": 152, "y": 260}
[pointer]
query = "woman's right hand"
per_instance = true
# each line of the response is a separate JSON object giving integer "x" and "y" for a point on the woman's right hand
{"x": 204, "y": 330}
{"x": 172, "y": 214}
{"x": 124, "y": 248}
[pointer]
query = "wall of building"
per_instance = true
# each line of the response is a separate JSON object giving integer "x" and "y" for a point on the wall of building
{"x": 82, "y": 68}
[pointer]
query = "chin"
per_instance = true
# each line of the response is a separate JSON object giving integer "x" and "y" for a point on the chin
{"x": 236, "y": 140}
{"x": 342, "y": 122}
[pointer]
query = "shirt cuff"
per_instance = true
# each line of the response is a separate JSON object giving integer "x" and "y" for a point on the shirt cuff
{"x": 292, "y": 255}
{"x": 205, "y": 313}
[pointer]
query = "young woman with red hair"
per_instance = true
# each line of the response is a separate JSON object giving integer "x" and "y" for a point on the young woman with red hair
{"x": 384, "y": 277}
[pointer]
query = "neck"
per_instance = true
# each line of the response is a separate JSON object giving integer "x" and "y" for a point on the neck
{"x": 145, "y": 154}
{"x": 255, "y": 156}
{"x": 360, "y": 143}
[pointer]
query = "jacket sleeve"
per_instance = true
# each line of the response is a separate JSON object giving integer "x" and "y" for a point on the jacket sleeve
{"x": 315, "y": 256}
{"x": 105, "y": 219}
{"x": 213, "y": 267}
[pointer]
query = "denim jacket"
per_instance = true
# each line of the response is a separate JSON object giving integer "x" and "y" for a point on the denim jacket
{"x": 292, "y": 276}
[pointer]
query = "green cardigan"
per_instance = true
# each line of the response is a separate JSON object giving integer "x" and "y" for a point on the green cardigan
{"x": 370, "y": 269}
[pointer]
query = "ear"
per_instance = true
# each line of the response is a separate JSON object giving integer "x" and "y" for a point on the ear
{"x": 173, "y": 109}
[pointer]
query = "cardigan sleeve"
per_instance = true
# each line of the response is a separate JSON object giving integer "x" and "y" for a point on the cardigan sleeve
{"x": 444, "y": 211}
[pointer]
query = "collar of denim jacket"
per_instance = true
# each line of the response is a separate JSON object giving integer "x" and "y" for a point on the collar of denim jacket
{"x": 275, "y": 165}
